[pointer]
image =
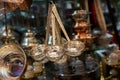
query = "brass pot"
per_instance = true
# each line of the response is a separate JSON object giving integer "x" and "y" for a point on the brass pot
{"x": 29, "y": 40}
{"x": 12, "y": 61}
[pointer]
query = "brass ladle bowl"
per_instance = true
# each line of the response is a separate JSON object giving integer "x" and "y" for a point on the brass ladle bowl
{"x": 12, "y": 61}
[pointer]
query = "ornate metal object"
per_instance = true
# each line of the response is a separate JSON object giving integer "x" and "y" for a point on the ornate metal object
{"x": 82, "y": 27}
{"x": 37, "y": 52}
{"x": 54, "y": 52}
{"x": 113, "y": 59}
{"x": 74, "y": 48}
{"x": 29, "y": 40}
{"x": 80, "y": 15}
{"x": 12, "y": 61}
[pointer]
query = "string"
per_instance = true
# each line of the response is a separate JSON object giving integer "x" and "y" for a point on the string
{"x": 48, "y": 24}
{"x": 5, "y": 21}
{"x": 60, "y": 22}
{"x": 53, "y": 29}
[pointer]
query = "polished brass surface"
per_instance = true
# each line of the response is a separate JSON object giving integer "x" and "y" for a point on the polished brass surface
{"x": 37, "y": 52}
{"x": 74, "y": 48}
{"x": 29, "y": 40}
{"x": 12, "y": 61}
{"x": 82, "y": 27}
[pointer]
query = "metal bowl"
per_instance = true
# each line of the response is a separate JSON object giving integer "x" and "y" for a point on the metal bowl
{"x": 12, "y": 61}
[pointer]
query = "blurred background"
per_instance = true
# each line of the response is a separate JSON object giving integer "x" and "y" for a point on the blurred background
{"x": 35, "y": 16}
{"x": 32, "y": 15}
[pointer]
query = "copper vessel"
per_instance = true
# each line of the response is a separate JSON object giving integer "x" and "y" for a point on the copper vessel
{"x": 10, "y": 5}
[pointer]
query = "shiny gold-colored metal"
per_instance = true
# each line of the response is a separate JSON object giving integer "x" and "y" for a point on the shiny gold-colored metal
{"x": 101, "y": 71}
{"x": 12, "y": 61}
{"x": 82, "y": 27}
{"x": 29, "y": 40}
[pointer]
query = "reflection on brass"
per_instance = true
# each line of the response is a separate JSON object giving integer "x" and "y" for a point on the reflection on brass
{"x": 54, "y": 52}
{"x": 12, "y": 61}
{"x": 37, "y": 52}
{"x": 29, "y": 40}
{"x": 74, "y": 48}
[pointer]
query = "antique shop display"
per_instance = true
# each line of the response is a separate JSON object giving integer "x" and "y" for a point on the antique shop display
{"x": 73, "y": 49}
{"x": 59, "y": 56}
{"x": 58, "y": 49}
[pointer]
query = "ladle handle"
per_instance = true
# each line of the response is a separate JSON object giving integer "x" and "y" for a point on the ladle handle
{"x": 54, "y": 10}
